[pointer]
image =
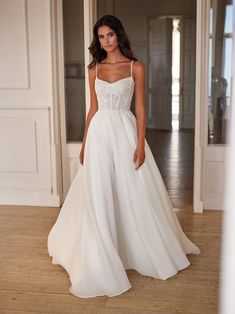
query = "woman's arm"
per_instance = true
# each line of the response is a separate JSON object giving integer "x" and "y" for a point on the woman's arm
{"x": 92, "y": 110}
{"x": 139, "y": 75}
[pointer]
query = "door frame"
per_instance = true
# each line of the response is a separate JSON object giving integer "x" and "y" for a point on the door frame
{"x": 90, "y": 14}
{"x": 200, "y": 97}
{"x": 69, "y": 152}
{"x": 201, "y": 114}
{"x": 210, "y": 160}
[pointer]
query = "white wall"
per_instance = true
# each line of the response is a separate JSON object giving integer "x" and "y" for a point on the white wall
{"x": 134, "y": 15}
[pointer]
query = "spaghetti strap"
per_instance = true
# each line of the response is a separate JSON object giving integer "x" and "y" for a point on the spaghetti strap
{"x": 131, "y": 66}
{"x": 96, "y": 69}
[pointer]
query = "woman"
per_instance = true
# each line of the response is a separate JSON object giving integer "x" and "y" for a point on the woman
{"x": 117, "y": 214}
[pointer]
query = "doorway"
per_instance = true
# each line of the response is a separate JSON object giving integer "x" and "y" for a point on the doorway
{"x": 140, "y": 46}
{"x": 171, "y": 70}
{"x": 171, "y": 102}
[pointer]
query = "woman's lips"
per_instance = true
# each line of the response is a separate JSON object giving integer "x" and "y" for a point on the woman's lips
{"x": 107, "y": 46}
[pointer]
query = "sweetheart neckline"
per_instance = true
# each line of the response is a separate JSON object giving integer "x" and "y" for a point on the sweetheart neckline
{"x": 125, "y": 78}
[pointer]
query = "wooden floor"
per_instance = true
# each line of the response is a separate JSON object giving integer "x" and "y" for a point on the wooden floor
{"x": 29, "y": 283}
{"x": 174, "y": 154}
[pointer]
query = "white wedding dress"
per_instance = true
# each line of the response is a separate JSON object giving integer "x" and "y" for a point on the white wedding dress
{"x": 115, "y": 217}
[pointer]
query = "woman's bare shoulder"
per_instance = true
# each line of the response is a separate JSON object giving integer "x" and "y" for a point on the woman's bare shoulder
{"x": 92, "y": 71}
{"x": 138, "y": 63}
{"x": 138, "y": 67}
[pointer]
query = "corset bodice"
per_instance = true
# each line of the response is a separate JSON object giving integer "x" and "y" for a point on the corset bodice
{"x": 116, "y": 95}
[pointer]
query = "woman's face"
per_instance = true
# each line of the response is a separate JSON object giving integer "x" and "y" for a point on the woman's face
{"x": 107, "y": 38}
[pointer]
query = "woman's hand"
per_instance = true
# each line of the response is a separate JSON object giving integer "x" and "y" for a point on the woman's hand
{"x": 139, "y": 157}
{"x": 81, "y": 155}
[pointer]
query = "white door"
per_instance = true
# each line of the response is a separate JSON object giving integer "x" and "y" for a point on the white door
{"x": 29, "y": 151}
{"x": 210, "y": 154}
{"x": 160, "y": 74}
{"x": 73, "y": 81}
{"x": 187, "y": 73}
{"x": 218, "y": 109}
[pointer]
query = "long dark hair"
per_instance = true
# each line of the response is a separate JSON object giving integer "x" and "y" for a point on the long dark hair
{"x": 115, "y": 24}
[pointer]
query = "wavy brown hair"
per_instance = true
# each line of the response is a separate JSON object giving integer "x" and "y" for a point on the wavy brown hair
{"x": 115, "y": 24}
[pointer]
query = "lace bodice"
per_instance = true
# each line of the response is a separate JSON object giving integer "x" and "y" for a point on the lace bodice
{"x": 116, "y": 95}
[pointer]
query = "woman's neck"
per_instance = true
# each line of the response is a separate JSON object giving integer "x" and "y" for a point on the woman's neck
{"x": 115, "y": 57}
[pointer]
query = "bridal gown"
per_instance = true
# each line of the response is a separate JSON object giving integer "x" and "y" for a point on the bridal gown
{"x": 115, "y": 217}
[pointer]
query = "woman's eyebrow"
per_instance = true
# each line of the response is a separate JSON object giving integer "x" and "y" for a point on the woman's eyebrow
{"x": 106, "y": 34}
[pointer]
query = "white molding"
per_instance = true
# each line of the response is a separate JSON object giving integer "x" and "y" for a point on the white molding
{"x": 27, "y": 178}
{"x": 29, "y": 198}
{"x": 90, "y": 16}
{"x": 33, "y": 39}
{"x": 197, "y": 194}
{"x": 20, "y": 107}
{"x": 60, "y": 87}
{"x": 200, "y": 93}
{"x": 227, "y": 274}
{"x": 56, "y": 149}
